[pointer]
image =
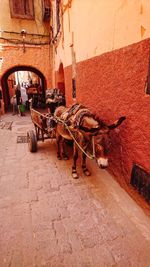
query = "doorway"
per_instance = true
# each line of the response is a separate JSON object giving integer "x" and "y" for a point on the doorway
{"x": 31, "y": 82}
{"x": 60, "y": 79}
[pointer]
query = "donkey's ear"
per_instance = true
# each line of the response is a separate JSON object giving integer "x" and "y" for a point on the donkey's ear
{"x": 121, "y": 119}
{"x": 116, "y": 123}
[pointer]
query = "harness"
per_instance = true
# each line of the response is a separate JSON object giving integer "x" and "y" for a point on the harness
{"x": 72, "y": 136}
{"x": 73, "y": 110}
{"x": 78, "y": 111}
{"x": 79, "y": 117}
{"x": 74, "y": 116}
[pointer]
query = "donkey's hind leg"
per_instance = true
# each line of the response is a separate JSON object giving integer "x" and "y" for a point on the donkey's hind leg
{"x": 58, "y": 138}
{"x": 75, "y": 157}
{"x": 84, "y": 168}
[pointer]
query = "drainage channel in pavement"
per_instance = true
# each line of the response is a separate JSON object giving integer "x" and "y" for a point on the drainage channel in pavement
{"x": 21, "y": 139}
{"x": 7, "y": 125}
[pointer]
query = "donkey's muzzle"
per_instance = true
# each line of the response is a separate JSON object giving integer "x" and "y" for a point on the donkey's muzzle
{"x": 102, "y": 163}
{"x": 103, "y": 167}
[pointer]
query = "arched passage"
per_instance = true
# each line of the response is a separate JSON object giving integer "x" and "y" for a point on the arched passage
{"x": 5, "y": 85}
{"x": 61, "y": 78}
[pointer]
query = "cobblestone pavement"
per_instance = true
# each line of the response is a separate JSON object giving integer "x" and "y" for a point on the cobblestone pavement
{"x": 48, "y": 219}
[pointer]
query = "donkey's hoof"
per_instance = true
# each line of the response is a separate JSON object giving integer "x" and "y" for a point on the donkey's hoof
{"x": 75, "y": 175}
{"x": 65, "y": 157}
{"x": 86, "y": 172}
{"x": 59, "y": 157}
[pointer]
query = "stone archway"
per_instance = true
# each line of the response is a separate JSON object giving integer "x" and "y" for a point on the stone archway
{"x": 60, "y": 78}
{"x": 5, "y": 86}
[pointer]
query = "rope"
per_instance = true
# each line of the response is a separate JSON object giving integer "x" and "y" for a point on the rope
{"x": 63, "y": 122}
{"x": 93, "y": 144}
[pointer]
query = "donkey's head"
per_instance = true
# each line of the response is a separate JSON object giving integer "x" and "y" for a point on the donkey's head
{"x": 102, "y": 147}
{"x": 103, "y": 143}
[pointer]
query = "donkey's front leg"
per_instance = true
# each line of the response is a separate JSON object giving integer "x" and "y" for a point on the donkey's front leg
{"x": 84, "y": 168}
{"x": 75, "y": 157}
{"x": 64, "y": 154}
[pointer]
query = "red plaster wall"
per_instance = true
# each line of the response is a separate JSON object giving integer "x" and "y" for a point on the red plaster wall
{"x": 113, "y": 85}
{"x": 34, "y": 57}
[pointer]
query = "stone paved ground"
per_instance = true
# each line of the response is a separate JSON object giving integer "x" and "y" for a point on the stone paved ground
{"x": 48, "y": 219}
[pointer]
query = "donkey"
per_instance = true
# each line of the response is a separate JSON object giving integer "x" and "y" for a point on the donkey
{"x": 88, "y": 133}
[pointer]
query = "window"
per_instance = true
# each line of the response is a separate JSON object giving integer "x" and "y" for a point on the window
{"x": 23, "y": 9}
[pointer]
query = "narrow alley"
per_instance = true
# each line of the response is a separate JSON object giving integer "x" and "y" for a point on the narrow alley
{"x": 49, "y": 219}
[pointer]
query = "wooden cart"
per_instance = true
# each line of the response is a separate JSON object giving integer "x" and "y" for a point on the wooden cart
{"x": 44, "y": 129}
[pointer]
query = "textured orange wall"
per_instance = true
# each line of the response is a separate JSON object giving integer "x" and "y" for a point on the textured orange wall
{"x": 99, "y": 26}
{"x": 37, "y": 57}
{"x": 112, "y": 85}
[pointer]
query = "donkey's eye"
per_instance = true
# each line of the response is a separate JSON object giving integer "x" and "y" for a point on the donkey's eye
{"x": 99, "y": 148}
{"x": 99, "y": 140}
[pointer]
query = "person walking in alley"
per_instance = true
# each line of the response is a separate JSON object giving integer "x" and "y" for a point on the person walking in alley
{"x": 18, "y": 98}
{"x": 0, "y": 104}
{"x": 14, "y": 104}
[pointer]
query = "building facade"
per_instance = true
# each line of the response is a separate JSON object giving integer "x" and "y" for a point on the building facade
{"x": 25, "y": 37}
{"x": 97, "y": 53}
{"x": 102, "y": 59}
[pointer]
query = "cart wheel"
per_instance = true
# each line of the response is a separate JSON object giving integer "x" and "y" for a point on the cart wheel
{"x": 32, "y": 141}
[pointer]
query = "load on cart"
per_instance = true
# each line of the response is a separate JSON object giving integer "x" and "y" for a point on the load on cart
{"x": 44, "y": 123}
{"x": 54, "y": 98}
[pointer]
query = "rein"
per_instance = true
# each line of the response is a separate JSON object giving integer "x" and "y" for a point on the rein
{"x": 93, "y": 143}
